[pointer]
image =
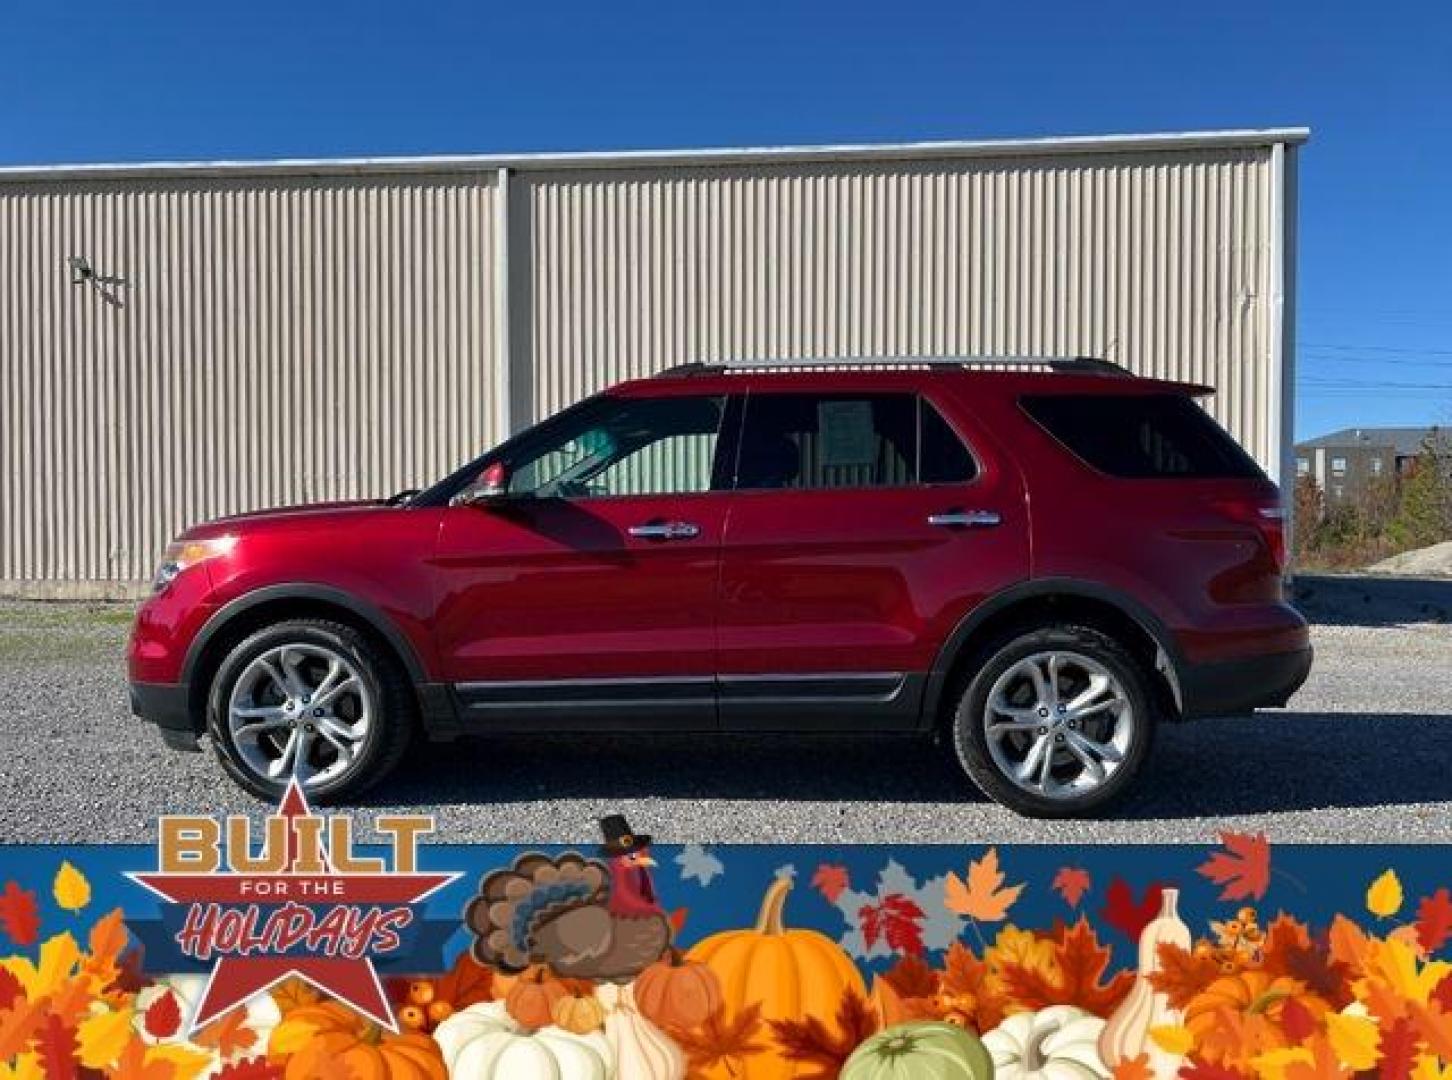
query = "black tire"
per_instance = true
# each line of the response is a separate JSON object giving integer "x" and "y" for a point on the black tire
{"x": 382, "y": 747}
{"x": 969, "y": 727}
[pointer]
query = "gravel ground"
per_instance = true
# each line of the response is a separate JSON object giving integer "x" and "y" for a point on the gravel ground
{"x": 1361, "y": 754}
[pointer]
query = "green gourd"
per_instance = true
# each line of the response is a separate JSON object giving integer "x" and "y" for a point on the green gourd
{"x": 923, "y": 1050}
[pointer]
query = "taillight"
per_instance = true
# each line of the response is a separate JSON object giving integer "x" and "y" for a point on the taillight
{"x": 1269, "y": 518}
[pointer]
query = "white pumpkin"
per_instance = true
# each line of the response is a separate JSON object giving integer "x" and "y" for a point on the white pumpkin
{"x": 1057, "y": 1043}
{"x": 483, "y": 1042}
{"x": 642, "y": 1051}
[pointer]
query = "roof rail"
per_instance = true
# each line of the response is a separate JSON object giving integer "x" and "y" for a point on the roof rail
{"x": 1084, "y": 365}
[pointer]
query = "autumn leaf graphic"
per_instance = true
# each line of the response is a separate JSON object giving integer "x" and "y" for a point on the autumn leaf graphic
{"x": 19, "y": 914}
{"x": 723, "y": 1042}
{"x": 983, "y": 896}
{"x": 831, "y": 881}
{"x": 1076, "y": 978}
{"x": 1072, "y": 883}
{"x": 1434, "y": 920}
{"x": 71, "y": 889}
{"x": 1384, "y": 897}
{"x": 1127, "y": 915}
{"x": 1243, "y": 868}
{"x": 897, "y": 920}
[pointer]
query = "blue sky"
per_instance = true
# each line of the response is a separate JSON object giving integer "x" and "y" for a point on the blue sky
{"x": 85, "y": 81}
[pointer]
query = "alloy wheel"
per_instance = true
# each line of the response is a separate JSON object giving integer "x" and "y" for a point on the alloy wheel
{"x": 1059, "y": 724}
{"x": 300, "y": 710}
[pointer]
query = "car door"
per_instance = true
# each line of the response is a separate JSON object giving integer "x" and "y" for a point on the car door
{"x": 586, "y": 595}
{"x": 862, "y": 529}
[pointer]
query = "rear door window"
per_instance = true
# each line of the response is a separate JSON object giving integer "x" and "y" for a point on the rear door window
{"x": 824, "y": 441}
{"x": 1143, "y": 436}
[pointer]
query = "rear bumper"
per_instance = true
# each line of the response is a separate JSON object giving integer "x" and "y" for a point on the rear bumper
{"x": 1235, "y": 687}
{"x": 168, "y": 706}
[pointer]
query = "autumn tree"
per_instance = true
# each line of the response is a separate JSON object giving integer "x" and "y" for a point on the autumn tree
{"x": 1310, "y": 508}
{"x": 1424, "y": 514}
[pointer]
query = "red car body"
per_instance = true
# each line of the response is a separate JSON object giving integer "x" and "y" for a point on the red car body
{"x": 840, "y": 608}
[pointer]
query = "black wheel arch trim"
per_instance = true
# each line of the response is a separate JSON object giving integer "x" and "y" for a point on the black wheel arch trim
{"x": 1039, "y": 589}
{"x": 374, "y": 617}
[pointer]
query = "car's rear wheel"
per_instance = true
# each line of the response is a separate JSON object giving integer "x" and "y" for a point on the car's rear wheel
{"x": 310, "y": 700}
{"x": 1055, "y": 722}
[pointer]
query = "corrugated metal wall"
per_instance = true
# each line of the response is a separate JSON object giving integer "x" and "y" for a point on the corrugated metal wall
{"x": 1160, "y": 261}
{"x": 283, "y": 337}
{"x": 274, "y": 341}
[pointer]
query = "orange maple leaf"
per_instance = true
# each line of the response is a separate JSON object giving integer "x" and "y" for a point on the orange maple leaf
{"x": 1072, "y": 883}
{"x": 1435, "y": 1026}
{"x": 134, "y": 1066}
{"x": 1080, "y": 967}
{"x": 983, "y": 896}
{"x": 17, "y": 1024}
{"x": 1324, "y": 1064}
{"x": 1182, "y": 973}
{"x": 229, "y": 1034}
{"x": 107, "y": 939}
{"x": 1243, "y": 867}
{"x": 1135, "y": 1068}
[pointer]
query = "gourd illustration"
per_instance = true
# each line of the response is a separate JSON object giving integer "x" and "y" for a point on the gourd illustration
{"x": 641, "y": 1050}
{"x": 923, "y": 1050}
{"x": 676, "y": 993}
{"x": 531, "y": 1000}
{"x": 579, "y": 1011}
{"x": 483, "y": 1042}
{"x": 1057, "y": 1043}
{"x": 1127, "y": 1034}
{"x": 791, "y": 974}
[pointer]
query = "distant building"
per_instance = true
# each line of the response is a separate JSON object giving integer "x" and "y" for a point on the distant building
{"x": 1346, "y": 463}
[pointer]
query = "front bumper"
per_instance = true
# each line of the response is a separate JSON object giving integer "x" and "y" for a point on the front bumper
{"x": 168, "y": 706}
{"x": 1235, "y": 687}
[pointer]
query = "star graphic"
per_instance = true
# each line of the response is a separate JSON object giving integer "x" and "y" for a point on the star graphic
{"x": 237, "y": 978}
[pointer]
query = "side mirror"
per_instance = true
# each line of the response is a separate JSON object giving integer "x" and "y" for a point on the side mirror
{"x": 492, "y": 484}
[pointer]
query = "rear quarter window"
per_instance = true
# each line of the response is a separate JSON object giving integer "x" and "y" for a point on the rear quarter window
{"x": 1142, "y": 436}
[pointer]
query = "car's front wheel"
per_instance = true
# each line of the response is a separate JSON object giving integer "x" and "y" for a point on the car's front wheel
{"x": 310, "y": 700}
{"x": 1055, "y": 722}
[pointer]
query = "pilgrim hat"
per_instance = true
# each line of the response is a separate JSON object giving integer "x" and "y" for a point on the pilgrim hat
{"x": 619, "y": 840}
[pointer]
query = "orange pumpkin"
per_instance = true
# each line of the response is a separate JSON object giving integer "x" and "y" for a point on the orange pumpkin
{"x": 792, "y": 974}
{"x": 331, "y": 1032}
{"x": 1249, "y": 993}
{"x": 531, "y": 1000}
{"x": 672, "y": 993}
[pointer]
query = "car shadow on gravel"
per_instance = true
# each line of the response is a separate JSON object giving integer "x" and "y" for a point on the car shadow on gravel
{"x": 1273, "y": 762}
{"x": 1366, "y": 600}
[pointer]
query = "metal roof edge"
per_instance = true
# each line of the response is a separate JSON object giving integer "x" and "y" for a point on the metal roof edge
{"x": 859, "y": 152}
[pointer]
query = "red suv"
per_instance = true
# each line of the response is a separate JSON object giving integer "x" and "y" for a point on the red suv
{"x": 1036, "y": 560}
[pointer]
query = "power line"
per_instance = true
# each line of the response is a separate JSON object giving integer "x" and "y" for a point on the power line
{"x": 1377, "y": 348}
{"x": 1375, "y": 360}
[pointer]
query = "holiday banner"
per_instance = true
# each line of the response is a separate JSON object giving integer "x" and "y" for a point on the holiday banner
{"x": 308, "y": 945}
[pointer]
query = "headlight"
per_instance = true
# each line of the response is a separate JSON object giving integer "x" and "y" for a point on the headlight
{"x": 181, "y": 554}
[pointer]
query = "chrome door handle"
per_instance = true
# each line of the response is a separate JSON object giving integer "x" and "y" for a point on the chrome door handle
{"x": 966, "y": 519}
{"x": 666, "y": 530}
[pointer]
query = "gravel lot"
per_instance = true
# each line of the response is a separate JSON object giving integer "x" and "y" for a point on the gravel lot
{"x": 1364, "y": 753}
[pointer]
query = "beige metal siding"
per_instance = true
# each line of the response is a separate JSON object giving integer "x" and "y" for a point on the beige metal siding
{"x": 1158, "y": 260}
{"x": 299, "y": 331}
{"x": 276, "y": 340}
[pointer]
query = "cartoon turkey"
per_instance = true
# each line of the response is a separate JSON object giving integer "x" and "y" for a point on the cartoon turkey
{"x": 584, "y": 918}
